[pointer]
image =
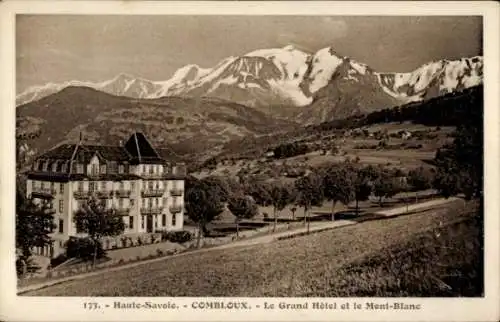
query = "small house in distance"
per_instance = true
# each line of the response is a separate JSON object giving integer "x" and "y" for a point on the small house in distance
{"x": 145, "y": 188}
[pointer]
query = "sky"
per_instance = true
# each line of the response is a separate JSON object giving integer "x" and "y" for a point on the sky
{"x": 52, "y": 48}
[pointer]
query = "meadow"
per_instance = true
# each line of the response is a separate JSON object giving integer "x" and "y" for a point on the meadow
{"x": 431, "y": 253}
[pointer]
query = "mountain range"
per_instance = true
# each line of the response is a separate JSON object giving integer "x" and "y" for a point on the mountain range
{"x": 260, "y": 92}
{"x": 285, "y": 76}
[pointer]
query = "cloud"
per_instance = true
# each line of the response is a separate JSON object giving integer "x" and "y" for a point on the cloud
{"x": 311, "y": 33}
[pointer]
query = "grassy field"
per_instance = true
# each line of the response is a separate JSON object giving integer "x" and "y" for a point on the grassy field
{"x": 433, "y": 253}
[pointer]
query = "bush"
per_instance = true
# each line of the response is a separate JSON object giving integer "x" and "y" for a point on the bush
{"x": 180, "y": 237}
{"x": 58, "y": 260}
{"x": 83, "y": 248}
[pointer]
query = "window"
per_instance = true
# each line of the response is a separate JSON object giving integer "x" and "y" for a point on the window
{"x": 143, "y": 203}
{"x": 132, "y": 185}
{"x": 61, "y": 226}
{"x": 80, "y": 186}
{"x": 103, "y": 185}
{"x": 121, "y": 168}
{"x": 52, "y": 186}
{"x": 157, "y": 185}
{"x": 150, "y": 183}
{"x": 132, "y": 202}
{"x": 103, "y": 169}
{"x": 63, "y": 167}
{"x": 151, "y": 169}
{"x": 163, "y": 220}
{"x": 45, "y": 165}
{"x": 61, "y": 206}
{"x": 173, "y": 220}
{"x": 61, "y": 187}
{"x": 150, "y": 203}
{"x": 54, "y": 167}
{"x": 142, "y": 222}
{"x": 120, "y": 203}
{"x": 92, "y": 186}
{"x": 156, "y": 222}
{"x": 112, "y": 167}
{"x": 122, "y": 185}
{"x": 79, "y": 168}
{"x": 95, "y": 169}
{"x": 131, "y": 222}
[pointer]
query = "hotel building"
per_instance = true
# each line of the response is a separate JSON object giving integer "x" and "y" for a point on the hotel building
{"x": 143, "y": 187}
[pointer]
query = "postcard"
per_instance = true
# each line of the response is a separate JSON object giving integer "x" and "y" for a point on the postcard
{"x": 249, "y": 161}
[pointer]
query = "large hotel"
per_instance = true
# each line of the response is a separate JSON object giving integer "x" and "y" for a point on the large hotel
{"x": 134, "y": 179}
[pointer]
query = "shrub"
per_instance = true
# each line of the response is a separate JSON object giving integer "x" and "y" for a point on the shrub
{"x": 180, "y": 237}
{"x": 159, "y": 252}
{"x": 58, "y": 260}
{"x": 83, "y": 248}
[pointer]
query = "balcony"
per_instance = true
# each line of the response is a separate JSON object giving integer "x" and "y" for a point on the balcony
{"x": 175, "y": 209}
{"x": 123, "y": 193}
{"x": 105, "y": 194}
{"x": 152, "y": 193}
{"x": 122, "y": 211}
{"x": 176, "y": 192}
{"x": 45, "y": 193}
{"x": 151, "y": 211}
{"x": 81, "y": 194}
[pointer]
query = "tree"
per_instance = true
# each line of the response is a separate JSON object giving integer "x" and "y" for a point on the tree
{"x": 225, "y": 186}
{"x": 242, "y": 207}
{"x": 203, "y": 205}
{"x": 362, "y": 189}
{"x": 309, "y": 193}
{"x": 385, "y": 186}
{"x": 293, "y": 210}
{"x": 460, "y": 164}
{"x": 94, "y": 219}
{"x": 337, "y": 186}
{"x": 420, "y": 179}
{"x": 34, "y": 224}
{"x": 280, "y": 197}
{"x": 260, "y": 192}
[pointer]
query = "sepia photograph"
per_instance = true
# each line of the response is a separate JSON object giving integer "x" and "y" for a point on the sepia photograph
{"x": 249, "y": 156}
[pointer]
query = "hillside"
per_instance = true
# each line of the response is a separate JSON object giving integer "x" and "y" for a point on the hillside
{"x": 362, "y": 263}
{"x": 185, "y": 124}
{"x": 289, "y": 83}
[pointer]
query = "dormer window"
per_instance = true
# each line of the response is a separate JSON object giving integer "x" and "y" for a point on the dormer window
{"x": 103, "y": 169}
{"x": 64, "y": 167}
{"x": 121, "y": 168}
{"x": 54, "y": 167}
{"x": 95, "y": 169}
{"x": 79, "y": 168}
{"x": 45, "y": 166}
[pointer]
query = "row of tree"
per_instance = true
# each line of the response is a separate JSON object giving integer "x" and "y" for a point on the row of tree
{"x": 345, "y": 183}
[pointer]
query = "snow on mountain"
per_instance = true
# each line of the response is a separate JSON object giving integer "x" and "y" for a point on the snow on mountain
{"x": 434, "y": 78}
{"x": 287, "y": 76}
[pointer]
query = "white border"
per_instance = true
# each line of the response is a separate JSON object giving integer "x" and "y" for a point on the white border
{"x": 13, "y": 308}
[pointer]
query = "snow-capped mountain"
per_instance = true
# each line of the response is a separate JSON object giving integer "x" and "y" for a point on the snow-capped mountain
{"x": 121, "y": 85}
{"x": 434, "y": 79}
{"x": 290, "y": 77}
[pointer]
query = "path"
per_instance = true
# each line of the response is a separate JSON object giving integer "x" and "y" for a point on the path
{"x": 314, "y": 227}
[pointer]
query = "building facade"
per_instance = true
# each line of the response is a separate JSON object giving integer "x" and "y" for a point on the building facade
{"x": 134, "y": 179}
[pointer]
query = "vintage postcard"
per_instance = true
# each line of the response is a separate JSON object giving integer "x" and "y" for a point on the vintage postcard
{"x": 249, "y": 161}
